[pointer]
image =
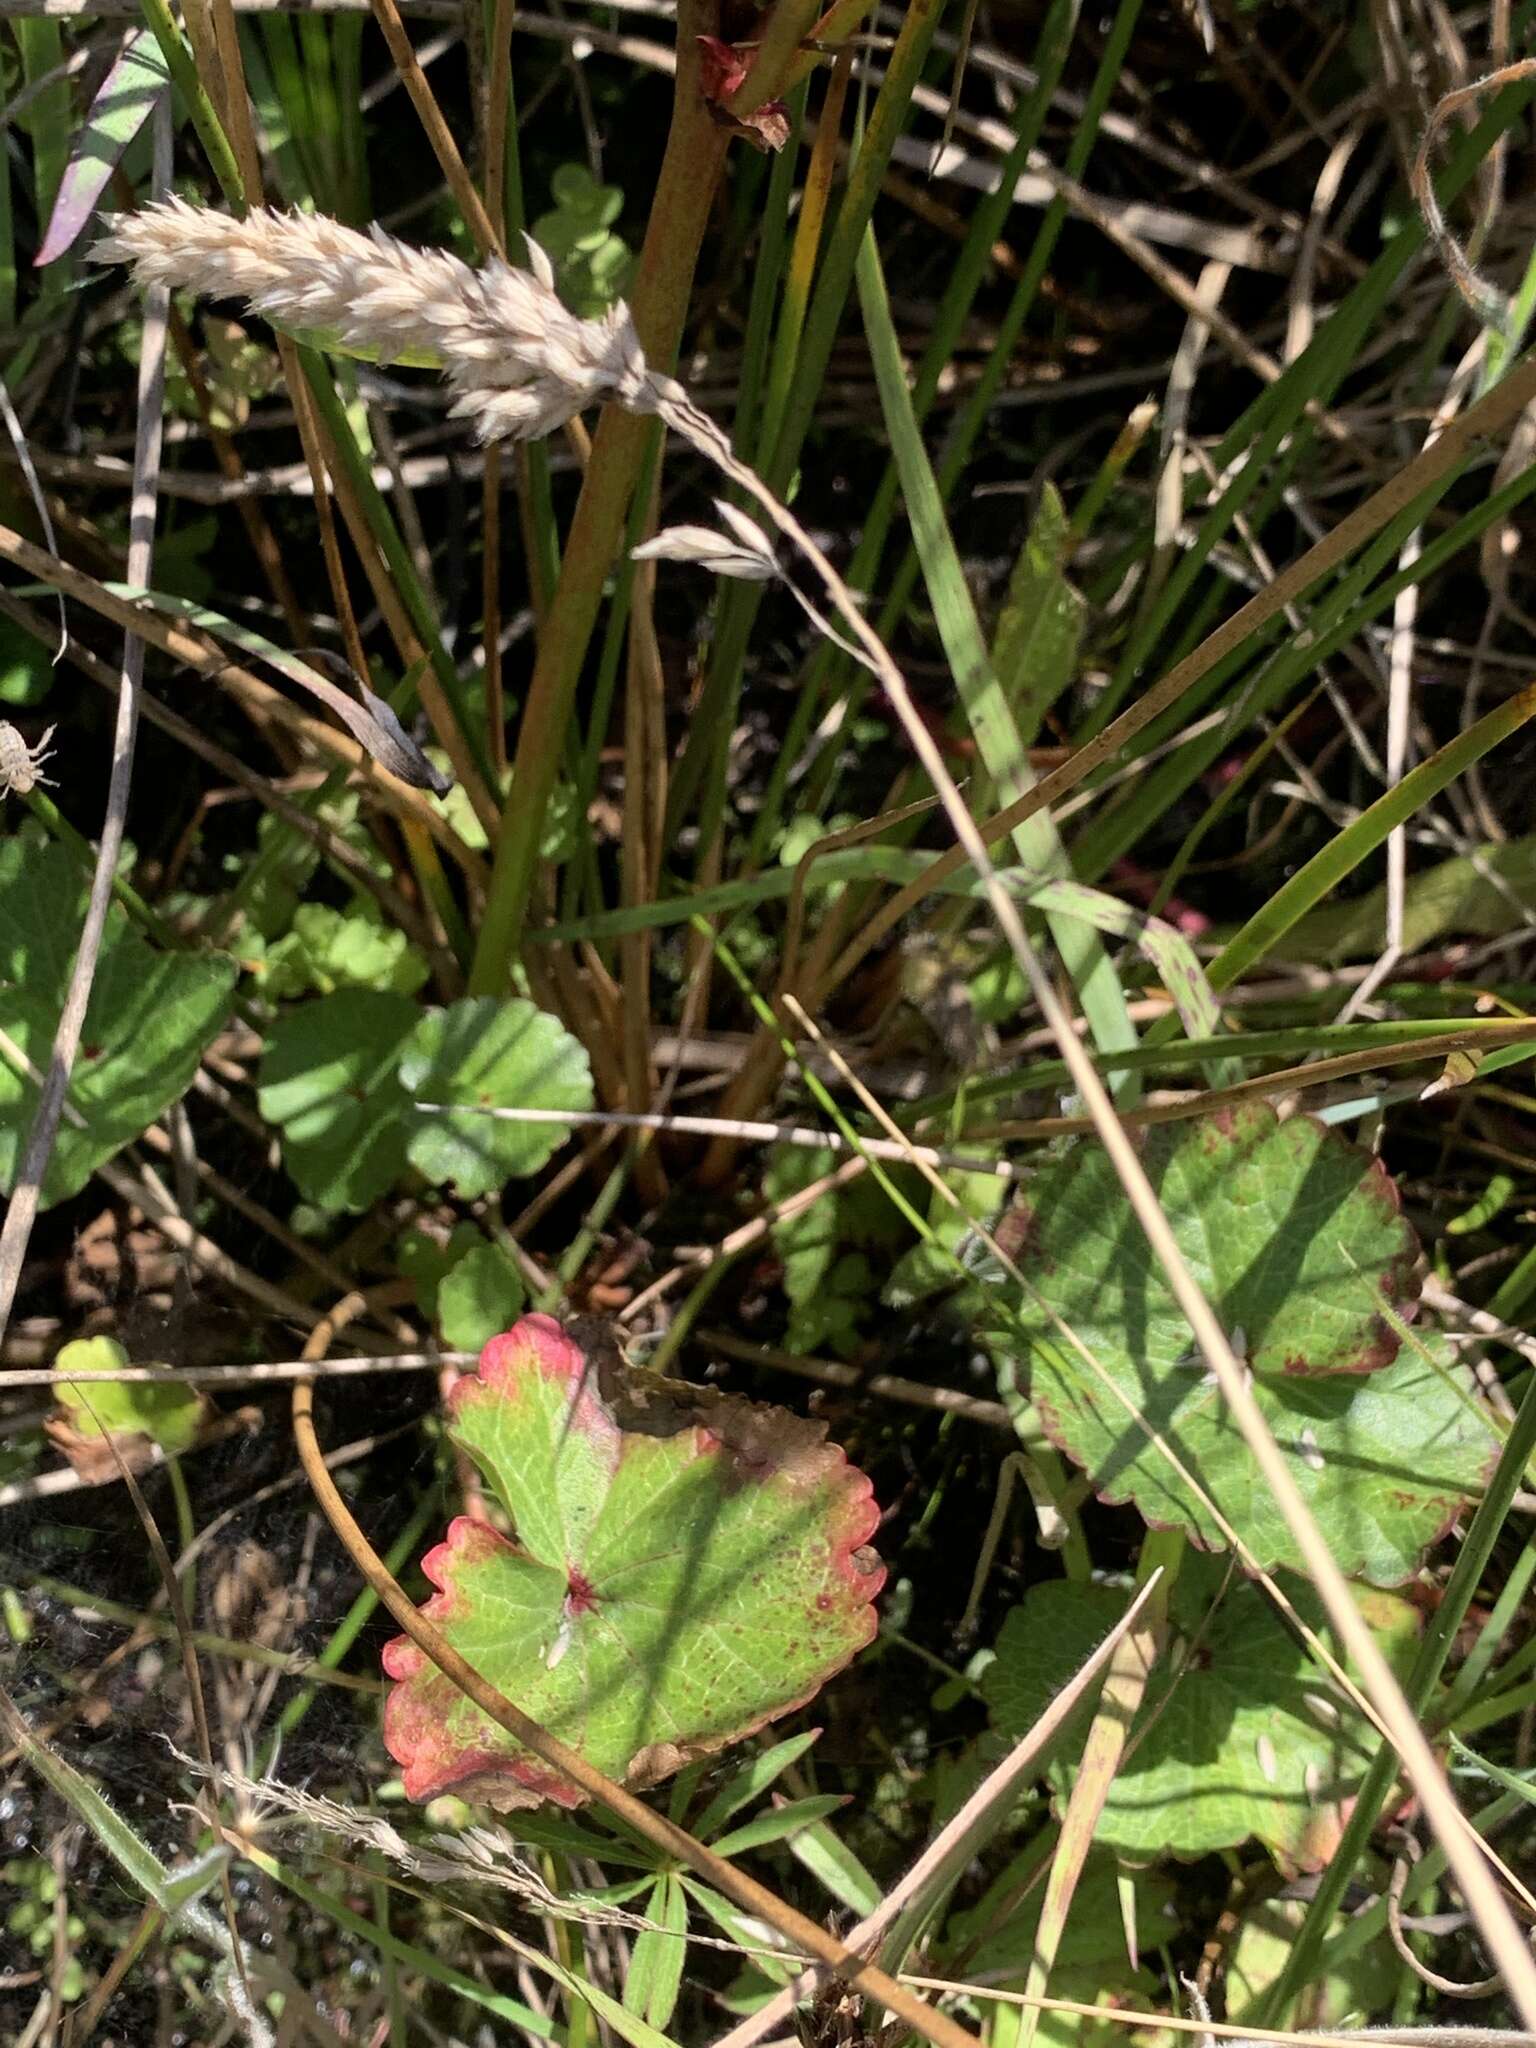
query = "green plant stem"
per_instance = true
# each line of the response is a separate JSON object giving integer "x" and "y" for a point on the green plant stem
{"x": 986, "y": 707}
{"x": 592, "y": 1223}
{"x": 210, "y": 130}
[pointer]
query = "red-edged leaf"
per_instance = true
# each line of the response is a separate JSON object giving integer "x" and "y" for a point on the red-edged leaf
{"x": 687, "y": 1566}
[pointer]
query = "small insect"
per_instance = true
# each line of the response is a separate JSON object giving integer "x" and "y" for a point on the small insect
{"x": 21, "y": 766}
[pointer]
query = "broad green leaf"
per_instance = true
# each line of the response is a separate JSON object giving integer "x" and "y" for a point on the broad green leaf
{"x": 150, "y": 1018}
{"x": 328, "y": 1080}
{"x": 1238, "y": 1736}
{"x": 479, "y": 1295}
{"x": 1297, "y": 1239}
{"x": 171, "y": 1416}
{"x": 687, "y": 1567}
{"x": 486, "y": 1053}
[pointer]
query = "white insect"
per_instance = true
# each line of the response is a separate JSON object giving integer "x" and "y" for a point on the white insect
{"x": 21, "y": 766}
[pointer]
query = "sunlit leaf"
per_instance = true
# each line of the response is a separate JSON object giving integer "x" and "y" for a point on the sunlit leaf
{"x": 687, "y": 1567}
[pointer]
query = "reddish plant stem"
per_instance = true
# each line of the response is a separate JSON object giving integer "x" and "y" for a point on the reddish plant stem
{"x": 684, "y": 195}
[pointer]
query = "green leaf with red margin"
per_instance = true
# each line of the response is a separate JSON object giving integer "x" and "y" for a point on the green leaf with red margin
{"x": 687, "y": 1567}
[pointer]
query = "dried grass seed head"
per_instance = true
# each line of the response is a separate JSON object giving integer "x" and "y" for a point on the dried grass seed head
{"x": 746, "y": 552}
{"x": 519, "y": 362}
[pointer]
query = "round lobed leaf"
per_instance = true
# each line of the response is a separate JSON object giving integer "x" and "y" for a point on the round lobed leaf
{"x": 480, "y": 1294}
{"x": 328, "y": 1080}
{"x": 1296, "y": 1237}
{"x": 490, "y": 1054}
{"x": 688, "y": 1566}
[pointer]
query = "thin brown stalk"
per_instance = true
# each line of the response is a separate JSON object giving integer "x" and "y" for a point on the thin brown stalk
{"x": 1245, "y": 2037}
{"x": 1490, "y": 304}
{"x": 880, "y": 1386}
{"x": 430, "y": 114}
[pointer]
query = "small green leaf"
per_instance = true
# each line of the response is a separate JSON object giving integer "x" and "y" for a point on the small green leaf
{"x": 329, "y": 1081}
{"x": 930, "y": 1265}
{"x": 655, "y": 1972}
{"x": 830, "y": 1285}
{"x": 170, "y": 1416}
{"x": 479, "y": 1295}
{"x": 751, "y": 1782}
{"x": 327, "y": 949}
{"x": 426, "y": 1262}
{"x": 486, "y": 1053}
{"x": 835, "y": 1866}
{"x": 151, "y": 1016}
{"x": 779, "y": 1822}
{"x": 687, "y": 1567}
{"x": 591, "y": 263}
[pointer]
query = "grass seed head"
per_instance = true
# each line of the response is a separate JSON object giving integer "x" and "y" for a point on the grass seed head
{"x": 519, "y": 362}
